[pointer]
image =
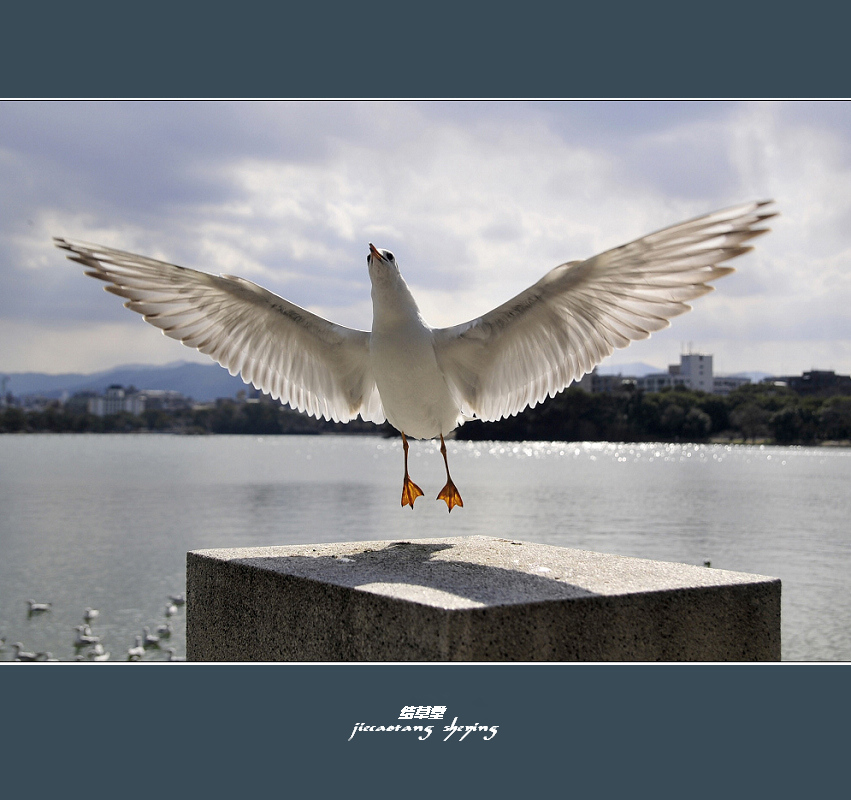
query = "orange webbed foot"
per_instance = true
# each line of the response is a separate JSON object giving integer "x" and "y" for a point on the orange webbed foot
{"x": 449, "y": 494}
{"x": 410, "y": 492}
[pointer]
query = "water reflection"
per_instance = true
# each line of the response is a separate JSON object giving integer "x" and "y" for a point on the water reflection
{"x": 105, "y": 521}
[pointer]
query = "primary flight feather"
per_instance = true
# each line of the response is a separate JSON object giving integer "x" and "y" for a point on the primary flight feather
{"x": 426, "y": 381}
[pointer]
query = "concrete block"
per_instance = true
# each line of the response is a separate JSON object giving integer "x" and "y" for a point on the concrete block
{"x": 473, "y": 598}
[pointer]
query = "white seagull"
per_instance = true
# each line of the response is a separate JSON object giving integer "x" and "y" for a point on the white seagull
{"x": 23, "y": 655}
{"x": 149, "y": 639}
{"x": 136, "y": 652}
{"x": 85, "y": 636}
{"x": 427, "y": 381}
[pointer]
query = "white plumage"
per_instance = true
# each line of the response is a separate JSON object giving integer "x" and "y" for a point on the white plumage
{"x": 426, "y": 381}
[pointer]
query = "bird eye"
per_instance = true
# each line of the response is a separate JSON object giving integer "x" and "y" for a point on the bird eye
{"x": 389, "y": 255}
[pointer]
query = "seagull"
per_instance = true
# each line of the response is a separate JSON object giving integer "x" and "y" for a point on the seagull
{"x": 171, "y": 655}
{"x": 99, "y": 653}
{"x": 149, "y": 639}
{"x": 178, "y": 599}
{"x": 84, "y": 636}
{"x": 136, "y": 652}
{"x": 37, "y": 608}
{"x": 170, "y": 610}
{"x": 164, "y": 630}
{"x": 90, "y": 614}
{"x": 23, "y": 655}
{"x": 45, "y": 656}
{"x": 427, "y": 381}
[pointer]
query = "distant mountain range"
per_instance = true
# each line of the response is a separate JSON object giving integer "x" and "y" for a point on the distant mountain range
{"x": 202, "y": 382}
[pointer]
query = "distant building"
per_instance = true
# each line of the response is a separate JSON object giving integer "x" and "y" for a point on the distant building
{"x": 661, "y": 380}
{"x": 164, "y": 399}
{"x": 697, "y": 370}
{"x": 694, "y": 372}
{"x": 823, "y": 383}
{"x": 609, "y": 384}
{"x": 724, "y": 384}
{"x": 117, "y": 399}
{"x": 78, "y": 403}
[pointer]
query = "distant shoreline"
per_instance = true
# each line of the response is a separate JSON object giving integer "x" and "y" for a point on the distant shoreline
{"x": 382, "y": 435}
{"x": 752, "y": 414}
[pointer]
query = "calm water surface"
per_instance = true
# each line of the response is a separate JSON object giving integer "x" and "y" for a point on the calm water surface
{"x": 105, "y": 521}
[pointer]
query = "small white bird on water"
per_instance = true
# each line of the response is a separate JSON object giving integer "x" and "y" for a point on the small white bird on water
{"x": 427, "y": 381}
{"x": 23, "y": 655}
{"x": 137, "y": 652}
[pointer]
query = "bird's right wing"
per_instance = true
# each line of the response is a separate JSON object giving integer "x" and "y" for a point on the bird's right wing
{"x": 540, "y": 341}
{"x": 292, "y": 354}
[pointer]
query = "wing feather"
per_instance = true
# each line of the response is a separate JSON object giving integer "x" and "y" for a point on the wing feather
{"x": 292, "y": 354}
{"x": 560, "y": 328}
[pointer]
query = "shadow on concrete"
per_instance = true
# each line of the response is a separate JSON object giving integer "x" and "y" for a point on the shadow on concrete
{"x": 412, "y": 564}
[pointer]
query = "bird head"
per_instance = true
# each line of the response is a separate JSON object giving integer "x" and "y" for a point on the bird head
{"x": 382, "y": 264}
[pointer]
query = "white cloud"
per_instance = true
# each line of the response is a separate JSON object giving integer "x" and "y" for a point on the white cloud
{"x": 476, "y": 200}
{"x": 88, "y": 347}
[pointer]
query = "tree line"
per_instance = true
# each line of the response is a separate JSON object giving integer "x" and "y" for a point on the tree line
{"x": 752, "y": 413}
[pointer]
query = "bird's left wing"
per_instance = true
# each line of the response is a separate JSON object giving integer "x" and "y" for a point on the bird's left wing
{"x": 292, "y": 354}
{"x": 536, "y": 344}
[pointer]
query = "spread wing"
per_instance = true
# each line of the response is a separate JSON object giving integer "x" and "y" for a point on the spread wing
{"x": 295, "y": 356}
{"x": 536, "y": 344}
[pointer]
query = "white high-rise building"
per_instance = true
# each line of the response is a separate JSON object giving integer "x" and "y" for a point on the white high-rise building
{"x": 693, "y": 372}
{"x": 697, "y": 371}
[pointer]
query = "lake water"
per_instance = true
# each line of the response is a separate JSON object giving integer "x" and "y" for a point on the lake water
{"x": 106, "y": 520}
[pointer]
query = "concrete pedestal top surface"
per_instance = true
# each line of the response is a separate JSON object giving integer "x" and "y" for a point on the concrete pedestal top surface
{"x": 471, "y": 598}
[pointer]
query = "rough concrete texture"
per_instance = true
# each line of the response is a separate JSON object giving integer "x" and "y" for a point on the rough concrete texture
{"x": 472, "y": 598}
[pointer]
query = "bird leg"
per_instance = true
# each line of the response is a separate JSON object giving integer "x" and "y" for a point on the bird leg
{"x": 410, "y": 490}
{"x": 448, "y": 493}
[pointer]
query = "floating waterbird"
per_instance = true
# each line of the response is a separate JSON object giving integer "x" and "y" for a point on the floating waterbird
{"x": 178, "y": 599}
{"x": 149, "y": 640}
{"x": 37, "y": 608}
{"x": 99, "y": 653}
{"x": 172, "y": 657}
{"x": 170, "y": 610}
{"x": 45, "y": 656}
{"x": 136, "y": 652}
{"x": 426, "y": 381}
{"x": 85, "y": 636}
{"x": 90, "y": 614}
{"x": 164, "y": 630}
{"x": 23, "y": 655}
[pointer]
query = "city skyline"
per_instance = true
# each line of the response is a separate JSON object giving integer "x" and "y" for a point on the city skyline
{"x": 477, "y": 199}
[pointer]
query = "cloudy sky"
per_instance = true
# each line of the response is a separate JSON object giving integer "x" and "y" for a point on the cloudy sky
{"x": 476, "y": 199}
